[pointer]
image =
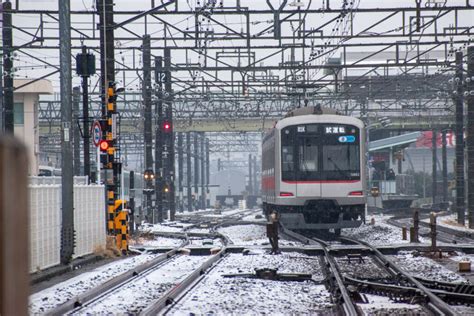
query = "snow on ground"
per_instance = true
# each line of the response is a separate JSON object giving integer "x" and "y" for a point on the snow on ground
{"x": 166, "y": 227}
{"x": 138, "y": 295}
{"x": 424, "y": 267}
{"x": 58, "y": 294}
{"x": 226, "y": 213}
{"x": 239, "y": 295}
{"x": 156, "y": 241}
{"x": 451, "y": 221}
{"x": 462, "y": 257}
{"x": 216, "y": 242}
{"x": 253, "y": 216}
{"x": 248, "y": 235}
{"x": 379, "y": 234}
{"x": 199, "y": 230}
{"x": 245, "y": 234}
{"x": 381, "y": 305}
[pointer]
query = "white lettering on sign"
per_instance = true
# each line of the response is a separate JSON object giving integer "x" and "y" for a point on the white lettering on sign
{"x": 66, "y": 134}
{"x": 301, "y": 129}
{"x": 335, "y": 130}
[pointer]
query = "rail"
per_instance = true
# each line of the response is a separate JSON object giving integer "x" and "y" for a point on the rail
{"x": 347, "y": 305}
{"x": 436, "y": 305}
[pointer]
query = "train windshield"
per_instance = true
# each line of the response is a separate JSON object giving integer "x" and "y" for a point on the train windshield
{"x": 315, "y": 152}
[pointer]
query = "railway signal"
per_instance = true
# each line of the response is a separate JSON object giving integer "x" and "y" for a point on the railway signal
{"x": 117, "y": 217}
{"x": 167, "y": 128}
{"x": 104, "y": 145}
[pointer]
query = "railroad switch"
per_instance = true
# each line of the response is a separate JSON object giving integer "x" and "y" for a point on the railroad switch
{"x": 355, "y": 256}
{"x": 271, "y": 274}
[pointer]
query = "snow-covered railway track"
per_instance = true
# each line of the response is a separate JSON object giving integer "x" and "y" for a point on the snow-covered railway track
{"x": 150, "y": 291}
{"x": 114, "y": 282}
{"x": 333, "y": 275}
{"x": 396, "y": 282}
{"x": 427, "y": 297}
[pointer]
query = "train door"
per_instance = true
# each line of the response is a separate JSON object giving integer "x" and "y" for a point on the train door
{"x": 308, "y": 182}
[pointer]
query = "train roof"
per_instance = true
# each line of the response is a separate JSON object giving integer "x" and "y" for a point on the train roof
{"x": 311, "y": 110}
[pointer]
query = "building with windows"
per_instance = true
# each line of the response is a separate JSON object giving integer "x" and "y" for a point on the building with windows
{"x": 25, "y": 115}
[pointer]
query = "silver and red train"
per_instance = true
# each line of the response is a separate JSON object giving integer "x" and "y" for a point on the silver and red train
{"x": 313, "y": 170}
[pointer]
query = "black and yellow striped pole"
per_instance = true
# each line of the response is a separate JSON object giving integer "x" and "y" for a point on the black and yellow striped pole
{"x": 117, "y": 216}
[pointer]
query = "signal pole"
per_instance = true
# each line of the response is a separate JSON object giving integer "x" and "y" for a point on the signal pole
{"x": 146, "y": 94}
{"x": 188, "y": 172}
{"x": 117, "y": 217}
{"x": 159, "y": 79}
{"x": 460, "y": 193}
{"x": 169, "y": 136}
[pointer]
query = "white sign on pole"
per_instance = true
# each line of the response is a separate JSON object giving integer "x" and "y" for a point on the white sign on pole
{"x": 96, "y": 133}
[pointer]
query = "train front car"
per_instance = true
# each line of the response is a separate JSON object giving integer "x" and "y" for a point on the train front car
{"x": 314, "y": 170}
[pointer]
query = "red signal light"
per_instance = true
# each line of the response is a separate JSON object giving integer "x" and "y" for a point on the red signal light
{"x": 356, "y": 193}
{"x": 286, "y": 194}
{"x": 167, "y": 126}
{"x": 104, "y": 145}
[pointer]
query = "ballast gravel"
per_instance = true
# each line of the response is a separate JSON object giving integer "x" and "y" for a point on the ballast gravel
{"x": 365, "y": 269}
{"x": 252, "y": 235}
{"x": 420, "y": 266}
{"x": 156, "y": 242}
{"x": 242, "y": 295}
{"x": 139, "y": 294}
{"x": 379, "y": 234}
{"x": 43, "y": 301}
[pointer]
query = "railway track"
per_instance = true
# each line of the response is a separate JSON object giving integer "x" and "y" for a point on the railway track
{"x": 432, "y": 296}
{"x": 443, "y": 234}
{"x": 125, "y": 277}
{"x": 147, "y": 291}
{"x": 79, "y": 303}
{"x": 335, "y": 279}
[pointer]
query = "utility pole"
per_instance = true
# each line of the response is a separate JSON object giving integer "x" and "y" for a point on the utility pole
{"x": 250, "y": 187}
{"x": 444, "y": 155}
{"x": 76, "y": 96}
{"x": 159, "y": 80}
{"x": 7, "y": 43}
{"x": 146, "y": 95}
{"x": 470, "y": 134}
{"x": 67, "y": 194}
{"x": 255, "y": 188}
{"x": 196, "y": 167}
{"x": 208, "y": 174}
{"x": 2, "y": 121}
{"x": 203, "y": 172}
{"x": 459, "y": 142}
{"x": 180, "y": 172}
{"x": 434, "y": 169}
{"x": 170, "y": 170}
{"x": 188, "y": 172}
